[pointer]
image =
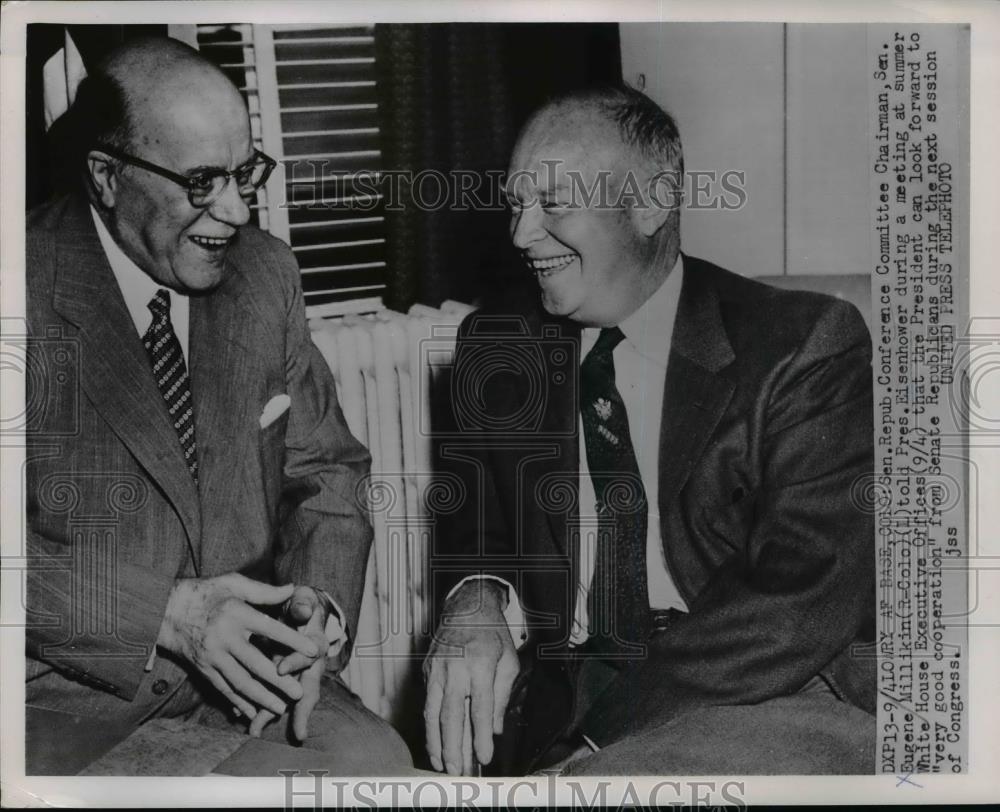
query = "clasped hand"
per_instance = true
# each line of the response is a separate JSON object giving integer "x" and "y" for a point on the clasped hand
{"x": 209, "y": 622}
{"x": 469, "y": 671}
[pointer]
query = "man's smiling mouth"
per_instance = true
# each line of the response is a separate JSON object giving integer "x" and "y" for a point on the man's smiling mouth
{"x": 210, "y": 243}
{"x": 550, "y": 265}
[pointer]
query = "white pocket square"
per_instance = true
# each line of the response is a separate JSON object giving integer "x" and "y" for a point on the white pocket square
{"x": 274, "y": 409}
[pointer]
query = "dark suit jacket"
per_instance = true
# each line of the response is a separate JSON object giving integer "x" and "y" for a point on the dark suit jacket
{"x": 113, "y": 516}
{"x": 766, "y": 440}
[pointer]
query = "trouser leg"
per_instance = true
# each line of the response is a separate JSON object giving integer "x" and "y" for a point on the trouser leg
{"x": 804, "y": 734}
{"x": 354, "y": 740}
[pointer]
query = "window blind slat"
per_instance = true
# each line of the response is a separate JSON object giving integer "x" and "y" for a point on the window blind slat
{"x": 337, "y": 256}
{"x": 326, "y": 233}
{"x": 329, "y": 162}
{"x": 339, "y": 294}
{"x": 330, "y": 108}
{"x": 344, "y": 132}
{"x": 284, "y": 60}
{"x": 330, "y": 310}
{"x": 353, "y": 203}
{"x": 330, "y": 214}
{"x": 333, "y": 144}
{"x": 350, "y": 275}
{"x": 340, "y": 244}
{"x": 334, "y": 40}
{"x": 296, "y": 122}
{"x": 350, "y": 222}
{"x": 327, "y": 93}
{"x": 313, "y": 74}
{"x": 319, "y": 173}
{"x": 357, "y": 266}
{"x": 292, "y": 31}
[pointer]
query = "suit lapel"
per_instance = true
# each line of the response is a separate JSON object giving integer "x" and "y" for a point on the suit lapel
{"x": 115, "y": 374}
{"x": 222, "y": 370}
{"x": 698, "y": 384}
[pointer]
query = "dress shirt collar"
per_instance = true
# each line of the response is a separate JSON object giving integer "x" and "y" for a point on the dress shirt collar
{"x": 649, "y": 329}
{"x": 138, "y": 288}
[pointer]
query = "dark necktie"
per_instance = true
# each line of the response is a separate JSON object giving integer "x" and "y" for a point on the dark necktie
{"x": 618, "y": 602}
{"x": 171, "y": 375}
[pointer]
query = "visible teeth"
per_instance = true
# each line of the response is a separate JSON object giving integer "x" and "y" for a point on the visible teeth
{"x": 551, "y": 263}
{"x": 210, "y": 242}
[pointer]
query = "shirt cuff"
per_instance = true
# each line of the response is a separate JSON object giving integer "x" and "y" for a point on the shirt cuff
{"x": 336, "y": 629}
{"x": 513, "y": 614}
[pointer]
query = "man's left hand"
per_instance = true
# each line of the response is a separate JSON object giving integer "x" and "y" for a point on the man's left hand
{"x": 307, "y": 613}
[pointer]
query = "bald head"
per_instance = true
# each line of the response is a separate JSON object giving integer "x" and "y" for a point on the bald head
{"x": 148, "y": 60}
{"x": 161, "y": 79}
{"x": 615, "y": 115}
{"x": 564, "y": 127}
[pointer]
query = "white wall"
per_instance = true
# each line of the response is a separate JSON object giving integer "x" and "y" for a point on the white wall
{"x": 827, "y": 157}
{"x": 783, "y": 104}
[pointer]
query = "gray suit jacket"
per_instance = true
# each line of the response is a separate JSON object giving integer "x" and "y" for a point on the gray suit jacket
{"x": 113, "y": 516}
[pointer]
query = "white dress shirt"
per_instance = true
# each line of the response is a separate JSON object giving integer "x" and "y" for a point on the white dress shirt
{"x": 138, "y": 289}
{"x": 640, "y": 374}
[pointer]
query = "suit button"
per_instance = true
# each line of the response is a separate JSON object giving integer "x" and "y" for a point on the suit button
{"x": 160, "y": 687}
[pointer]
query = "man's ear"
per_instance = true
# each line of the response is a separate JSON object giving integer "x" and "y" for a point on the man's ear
{"x": 102, "y": 175}
{"x": 665, "y": 193}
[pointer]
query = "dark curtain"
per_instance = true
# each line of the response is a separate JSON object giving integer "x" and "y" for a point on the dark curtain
{"x": 453, "y": 97}
{"x": 46, "y": 170}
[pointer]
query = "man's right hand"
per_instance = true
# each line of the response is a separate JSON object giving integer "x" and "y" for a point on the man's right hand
{"x": 469, "y": 670}
{"x": 209, "y": 621}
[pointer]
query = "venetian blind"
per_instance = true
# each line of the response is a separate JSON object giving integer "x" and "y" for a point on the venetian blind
{"x": 313, "y": 104}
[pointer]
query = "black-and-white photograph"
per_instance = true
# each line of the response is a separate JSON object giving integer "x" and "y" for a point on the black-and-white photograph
{"x": 537, "y": 399}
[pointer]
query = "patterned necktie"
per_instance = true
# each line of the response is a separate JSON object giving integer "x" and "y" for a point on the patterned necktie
{"x": 171, "y": 375}
{"x": 618, "y": 600}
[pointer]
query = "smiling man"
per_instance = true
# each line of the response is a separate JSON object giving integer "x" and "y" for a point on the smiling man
{"x": 660, "y": 477}
{"x": 594, "y": 257}
{"x": 196, "y": 540}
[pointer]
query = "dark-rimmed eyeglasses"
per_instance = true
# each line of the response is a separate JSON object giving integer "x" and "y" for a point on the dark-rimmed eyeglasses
{"x": 205, "y": 186}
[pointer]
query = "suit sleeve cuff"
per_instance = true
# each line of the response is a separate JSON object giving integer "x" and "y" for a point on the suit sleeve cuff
{"x": 336, "y": 629}
{"x": 513, "y": 613}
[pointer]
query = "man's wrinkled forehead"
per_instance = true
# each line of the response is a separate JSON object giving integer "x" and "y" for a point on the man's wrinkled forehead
{"x": 570, "y": 135}
{"x": 569, "y": 149}
{"x": 173, "y": 92}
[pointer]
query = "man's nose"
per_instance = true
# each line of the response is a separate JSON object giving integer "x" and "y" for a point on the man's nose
{"x": 229, "y": 207}
{"x": 526, "y": 226}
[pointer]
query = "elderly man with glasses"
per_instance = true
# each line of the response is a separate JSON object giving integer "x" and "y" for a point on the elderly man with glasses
{"x": 197, "y": 536}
